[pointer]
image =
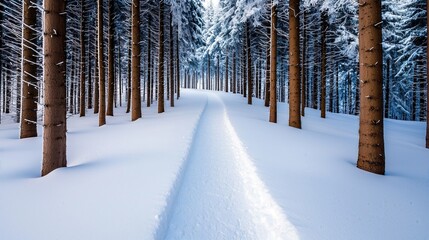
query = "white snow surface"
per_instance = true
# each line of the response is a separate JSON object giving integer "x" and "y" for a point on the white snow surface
{"x": 214, "y": 168}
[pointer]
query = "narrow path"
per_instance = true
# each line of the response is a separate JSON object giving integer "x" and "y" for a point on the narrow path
{"x": 221, "y": 196}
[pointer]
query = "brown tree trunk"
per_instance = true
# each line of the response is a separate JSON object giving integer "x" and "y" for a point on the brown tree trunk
{"x": 323, "y": 80}
{"x": 267, "y": 78}
{"x": 273, "y": 64}
{"x": 54, "y": 46}
{"x": 149, "y": 64}
{"x": 136, "y": 111}
{"x": 303, "y": 64}
{"x": 111, "y": 63}
{"x": 226, "y": 74}
{"x": 208, "y": 74}
{"x": 72, "y": 83}
{"x": 101, "y": 76}
{"x": 217, "y": 74}
{"x": 29, "y": 92}
{"x": 161, "y": 59}
{"x": 96, "y": 83}
{"x": 371, "y": 128}
{"x": 234, "y": 73}
{"x": 171, "y": 62}
{"x": 177, "y": 62}
{"x": 249, "y": 65}
{"x": 294, "y": 76}
{"x": 82, "y": 59}
{"x": 89, "y": 73}
{"x": 129, "y": 80}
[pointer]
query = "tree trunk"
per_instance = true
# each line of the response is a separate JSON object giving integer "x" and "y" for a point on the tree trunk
{"x": 96, "y": 83}
{"x": 136, "y": 111}
{"x": 149, "y": 64}
{"x": 177, "y": 62}
{"x": 161, "y": 59}
{"x": 171, "y": 62}
{"x": 101, "y": 76}
{"x": 273, "y": 64}
{"x": 217, "y": 74}
{"x": 304, "y": 67}
{"x": 234, "y": 73}
{"x": 294, "y": 76}
{"x": 29, "y": 92}
{"x": 54, "y": 47}
{"x": 111, "y": 63}
{"x": 323, "y": 80}
{"x": 371, "y": 131}
{"x": 267, "y": 77}
{"x": 89, "y": 72}
{"x": 226, "y": 74}
{"x": 82, "y": 59}
{"x": 249, "y": 65}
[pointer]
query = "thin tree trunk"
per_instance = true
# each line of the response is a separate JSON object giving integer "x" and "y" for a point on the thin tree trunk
{"x": 82, "y": 59}
{"x": 54, "y": 46}
{"x": 371, "y": 131}
{"x": 177, "y": 62}
{"x": 267, "y": 78}
{"x": 249, "y": 65}
{"x": 161, "y": 59}
{"x": 29, "y": 92}
{"x": 171, "y": 62}
{"x": 149, "y": 64}
{"x": 226, "y": 74}
{"x": 111, "y": 62}
{"x": 136, "y": 111}
{"x": 273, "y": 64}
{"x": 234, "y": 73}
{"x": 89, "y": 73}
{"x": 96, "y": 83}
{"x": 304, "y": 67}
{"x": 323, "y": 80}
{"x": 294, "y": 76}
{"x": 102, "y": 83}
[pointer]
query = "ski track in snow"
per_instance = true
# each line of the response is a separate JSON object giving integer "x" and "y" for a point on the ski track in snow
{"x": 220, "y": 195}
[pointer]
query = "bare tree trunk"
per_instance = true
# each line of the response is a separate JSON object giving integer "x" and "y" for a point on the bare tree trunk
{"x": 82, "y": 59}
{"x": 226, "y": 73}
{"x": 177, "y": 62}
{"x": 149, "y": 64}
{"x": 54, "y": 45}
{"x": 323, "y": 80}
{"x": 96, "y": 83}
{"x": 273, "y": 64}
{"x": 234, "y": 73}
{"x": 371, "y": 128}
{"x": 171, "y": 62}
{"x": 29, "y": 92}
{"x": 89, "y": 73}
{"x": 304, "y": 67}
{"x": 249, "y": 65}
{"x": 217, "y": 74}
{"x": 294, "y": 76}
{"x": 102, "y": 83}
{"x": 161, "y": 59}
{"x": 267, "y": 78}
{"x": 136, "y": 111}
{"x": 111, "y": 62}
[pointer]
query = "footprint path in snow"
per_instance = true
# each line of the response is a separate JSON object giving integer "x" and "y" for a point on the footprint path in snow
{"x": 221, "y": 196}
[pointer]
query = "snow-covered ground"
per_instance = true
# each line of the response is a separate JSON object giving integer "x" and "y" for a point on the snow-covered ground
{"x": 214, "y": 168}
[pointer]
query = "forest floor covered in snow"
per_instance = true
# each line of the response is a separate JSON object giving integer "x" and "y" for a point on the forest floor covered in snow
{"x": 214, "y": 168}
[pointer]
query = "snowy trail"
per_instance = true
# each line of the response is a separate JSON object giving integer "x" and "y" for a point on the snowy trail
{"x": 221, "y": 196}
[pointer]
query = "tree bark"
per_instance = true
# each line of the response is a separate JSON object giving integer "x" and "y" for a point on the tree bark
{"x": 101, "y": 76}
{"x": 136, "y": 111}
{"x": 177, "y": 62}
{"x": 371, "y": 128}
{"x": 82, "y": 60}
{"x": 249, "y": 65}
{"x": 29, "y": 92}
{"x": 226, "y": 74}
{"x": 273, "y": 64}
{"x": 171, "y": 61}
{"x": 149, "y": 64}
{"x": 304, "y": 67}
{"x": 161, "y": 59}
{"x": 234, "y": 73}
{"x": 54, "y": 46}
{"x": 294, "y": 76}
{"x": 111, "y": 63}
{"x": 323, "y": 80}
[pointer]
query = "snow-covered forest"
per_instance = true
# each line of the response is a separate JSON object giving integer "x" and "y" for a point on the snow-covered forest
{"x": 214, "y": 119}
